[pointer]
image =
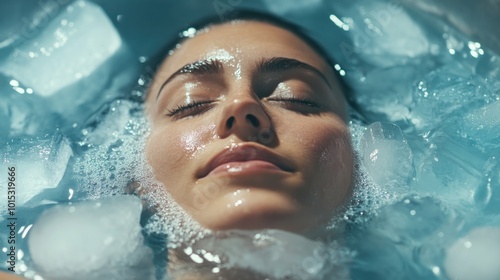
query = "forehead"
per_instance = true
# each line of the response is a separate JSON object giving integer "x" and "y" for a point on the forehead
{"x": 242, "y": 41}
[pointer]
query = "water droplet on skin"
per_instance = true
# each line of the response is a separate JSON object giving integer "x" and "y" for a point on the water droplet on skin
{"x": 235, "y": 169}
{"x": 221, "y": 55}
{"x": 238, "y": 203}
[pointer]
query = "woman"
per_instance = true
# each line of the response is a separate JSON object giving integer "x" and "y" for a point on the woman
{"x": 248, "y": 127}
{"x": 248, "y": 130}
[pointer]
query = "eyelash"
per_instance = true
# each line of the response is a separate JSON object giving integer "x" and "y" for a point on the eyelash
{"x": 186, "y": 108}
{"x": 301, "y": 101}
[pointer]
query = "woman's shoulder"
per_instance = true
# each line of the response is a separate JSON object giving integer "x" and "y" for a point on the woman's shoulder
{"x": 9, "y": 276}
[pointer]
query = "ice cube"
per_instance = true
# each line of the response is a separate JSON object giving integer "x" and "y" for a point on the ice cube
{"x": 75, "y": 64}
{"x": 382, "y": 32}
{"x": 92, "y": 240}
{"x": 40, "y": 164}
{"x": 387, "y": 91}
{"x": 475, "y": 19}
{"x": 386, "y": 155}
{"x": 487, "y": 195}
{"x": 475, "y": 256}
{"x": 413, "y": 216}
{"x": 28, "y": 118}
{"x": 410, "y": 230}
{"x": 22, "y": 20}
{"x": 291, "y": 255}
{"x": 449, "y": 166}
{"x": 446, "y": 91}
{"x": 483, "y": 124}
{"x": 72, "y": 45}
{"x": 488, "y": 67}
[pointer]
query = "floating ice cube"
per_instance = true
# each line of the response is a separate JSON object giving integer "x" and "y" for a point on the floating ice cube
{"x": 488, "y": 67}
{"x": 487, "y": 195}
{"x": 406, "y": 232}
{"x": 26, "y": 119}
{"x": 382, "y": 32}
{"x": 476, "y": 19}
{"x": 483, "y": 124}
{"x": 413, "y": 216}
{"x": 40, "y": 165}
{"x": 26, "y": 114}
{"x": 73, "y": 45}
{"x": 291, "y": 255}
{"x": 475, "y": 256}
{"x": 92, "y": 240}
{"x": 445, "y": 91}
{"x": 387, "y": 92}
{"x": 76, "y": 63}
{"x": 22, "y": 19}
{"x": 449, "y": 166}
{"x": 386, "y": 155}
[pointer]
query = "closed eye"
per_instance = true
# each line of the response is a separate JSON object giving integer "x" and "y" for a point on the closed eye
{"x": 295, "y": 100}
{"x": 191, "y": 109}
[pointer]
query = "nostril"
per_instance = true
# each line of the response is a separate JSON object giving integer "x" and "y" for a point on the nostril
{"x": 253, "y": 120}
{"x": 230, "y": 122}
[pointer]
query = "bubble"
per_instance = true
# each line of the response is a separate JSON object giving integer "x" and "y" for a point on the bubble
{"x": 114, "y": 162}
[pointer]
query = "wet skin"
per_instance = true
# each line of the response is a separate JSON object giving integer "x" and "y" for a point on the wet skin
{"x": 248, "y": 130}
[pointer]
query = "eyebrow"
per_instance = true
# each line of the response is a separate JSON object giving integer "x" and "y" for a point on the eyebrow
{"x": 199, "y": 68}
{"x": 280, "y": 64}
{"x": 269, "y": 65}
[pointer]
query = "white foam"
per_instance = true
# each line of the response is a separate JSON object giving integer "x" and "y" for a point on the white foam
{"x": 92, "y": 240}
{"x": 116, "y": 150}
{"x": 117, "y": 157}
{"x": 368, "y": 197}
{"x": 169, "y": 218}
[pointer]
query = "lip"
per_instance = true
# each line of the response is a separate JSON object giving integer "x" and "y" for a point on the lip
{"x": 247, "y": 157}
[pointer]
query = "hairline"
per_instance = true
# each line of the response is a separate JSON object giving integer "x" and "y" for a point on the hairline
{"x": 207, "y": 24}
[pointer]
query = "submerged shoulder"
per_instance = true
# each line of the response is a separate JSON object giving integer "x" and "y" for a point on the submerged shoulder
{"x": 8, "y": 276}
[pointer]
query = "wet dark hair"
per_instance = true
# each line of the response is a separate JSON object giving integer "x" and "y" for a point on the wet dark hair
{"x": 239, "y": 14}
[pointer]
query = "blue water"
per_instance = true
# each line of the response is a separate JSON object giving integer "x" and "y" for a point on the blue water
{"x": 425, "y": 124}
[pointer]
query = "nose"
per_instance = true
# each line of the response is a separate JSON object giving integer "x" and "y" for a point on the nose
{"x": 245, "y": 117}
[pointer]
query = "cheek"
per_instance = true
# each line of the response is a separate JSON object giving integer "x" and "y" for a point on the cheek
{"x": 335, "y": 168}
{"x": 325, "y": 150}
{"x": 325, "y": 142}
{"x": 161, "y": 153}
{"x": 171, "y": 148}
{"x": 335, "y": 151}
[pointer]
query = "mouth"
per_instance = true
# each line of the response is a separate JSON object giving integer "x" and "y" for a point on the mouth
{"x": 245, "y": 158}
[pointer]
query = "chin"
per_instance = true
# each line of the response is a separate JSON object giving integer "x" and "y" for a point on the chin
{"x": 254, "y": 209}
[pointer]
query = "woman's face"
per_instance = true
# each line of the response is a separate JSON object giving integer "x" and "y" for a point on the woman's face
{"x": 248, "y": 130}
